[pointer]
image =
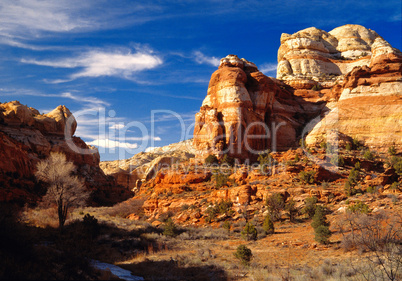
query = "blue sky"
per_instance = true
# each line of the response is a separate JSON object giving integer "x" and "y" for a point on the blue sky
{"x": 134, "y": 73}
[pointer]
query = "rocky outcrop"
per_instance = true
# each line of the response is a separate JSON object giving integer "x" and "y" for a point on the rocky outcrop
{"x": 246, "y": 112}
{"x": 316, "y": 55}
{"x": 26, "y": 137}
{"x": 370, "y": 106}
{"x": 350, "y": 72}
{"x": 143, "y": 166}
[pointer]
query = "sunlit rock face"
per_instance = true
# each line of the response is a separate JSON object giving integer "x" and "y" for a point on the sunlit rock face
{"x": 314, "y": 54}
{"x": 346, "y": 82}
{"x": 26, "y": 137}
{"x": 246, "y": 112}
{"x": 370, "y": 105}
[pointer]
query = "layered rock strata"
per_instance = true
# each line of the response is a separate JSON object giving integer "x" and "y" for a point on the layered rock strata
{"x": 246, "y": 112}
{"x": 323, "y": 56}
{"x": 26, "y": 137}
{"x": 345, "y": 83}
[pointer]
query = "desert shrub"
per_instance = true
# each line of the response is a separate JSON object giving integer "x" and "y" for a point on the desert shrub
{"x": 368, "y": 155}
{"x": 268, "y": 225}
{"x": 378, "y": 239}
{"x": 307, "y": 177}
{"x": 297, "y": 158}
{"x": 221, "y": 179}
{"x": 309, "y": 208}
{"x": 359, "y": 207}
{"x": 265, "y": 160}
{"x": 352, "y": 181}
{"x": 356, "y": 144}
{"x": 211, "y": 159}
{"x": 325, "y": 185}
{"x": 276, "y": 204}
{"x": 372, "y": 189}
{"x": 395, "y": 186}
{"x": 291, "y": 210}
{"x": 348, "y": 146}
{"x": 358, "y": 166}
{"x": 244, "y": 254}
{"x": 228, "y": 160}
{"x": 322, "y": 234}
{"x": 396, "y": 163}
{"x": 249, "y": 232}
{"x": 319, "y": 218}
{"x": 222, "y": 207}
{"x": 337, "y": 160}
{"x": 321, "y": 225}
{"x": 226, "y": 225}
{"x": 91, "y": 225}
{"x": 184, "y": 207}
{"x": 170, "y": 228}
{"x": 392, "y": 150}
{"x": 316, "y": 87}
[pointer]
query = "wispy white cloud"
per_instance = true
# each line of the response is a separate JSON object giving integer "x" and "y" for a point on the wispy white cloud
{"x": 90, "y": 102}
{"x": 110, "y": 144}
{"x": 268, "y": 68}
{"x": 32, "y": 19}
{"x": 200, "y": 58}
{"x": 96, "y": 63}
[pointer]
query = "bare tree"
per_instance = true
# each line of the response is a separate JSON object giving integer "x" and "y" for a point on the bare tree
{"x": 378, "y": 238}
{"x": 65, "y": 189}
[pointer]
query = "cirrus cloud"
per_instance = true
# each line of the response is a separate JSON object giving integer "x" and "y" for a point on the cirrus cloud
{"x": 96, "y": 63}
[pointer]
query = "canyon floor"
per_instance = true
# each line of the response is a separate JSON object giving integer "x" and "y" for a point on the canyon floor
{"x": 132, "y": 234}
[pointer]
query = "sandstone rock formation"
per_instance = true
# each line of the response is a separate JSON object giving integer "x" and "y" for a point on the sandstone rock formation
{"x": 246, "y": 112}
{"x": 145, "y": 165}
{"x": 26, "y": 137}
{"x": 314, "y": 53}
{"x": 350, "y": 72}
{"x": 370, "y": 106}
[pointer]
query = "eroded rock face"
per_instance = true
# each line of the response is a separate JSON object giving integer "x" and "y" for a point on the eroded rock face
{"x": 370, "y": 106}
{"x": 351, "y": 75}
{"x": 246, "y": 112}
{"x": 26, "y": 137}
{"x": 316, "y": 55}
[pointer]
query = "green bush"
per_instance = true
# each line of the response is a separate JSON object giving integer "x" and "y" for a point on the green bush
{"x": 319, "y": 218}
{"x": 292, "y": 211}
{"x": 307, "y": 177}
{"x": 170, "y": 228}
{"x": 356, "y": 144}
{"x": 352, "y": 181}
{"x": 348, "y": 146}
{"x": 368, "y": 155}
{"x": 321, "y": 225}
{"x": 228, "y": 160}
{"x": 337, "y": 160}
{"x": 226, "y": 225}
{"x": 357, "y": 166}
{"x": 316, "y": 87}
{"x": 396, "y": 163}
{"x": 359, "y": 207}
{"x": 249, "y": 232}
{"x": 244, "y": 254}
{"x": 392, "y": 150}
{"x": 221, "y": 179}
{"x": 268, "y": 225}
{"x": 222, "y": 207}
{"x": 211, "y": 159}
{"x": 276, "y": 204}
{"x": 309, "y": 208}
{"x": 322, "y": 234}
